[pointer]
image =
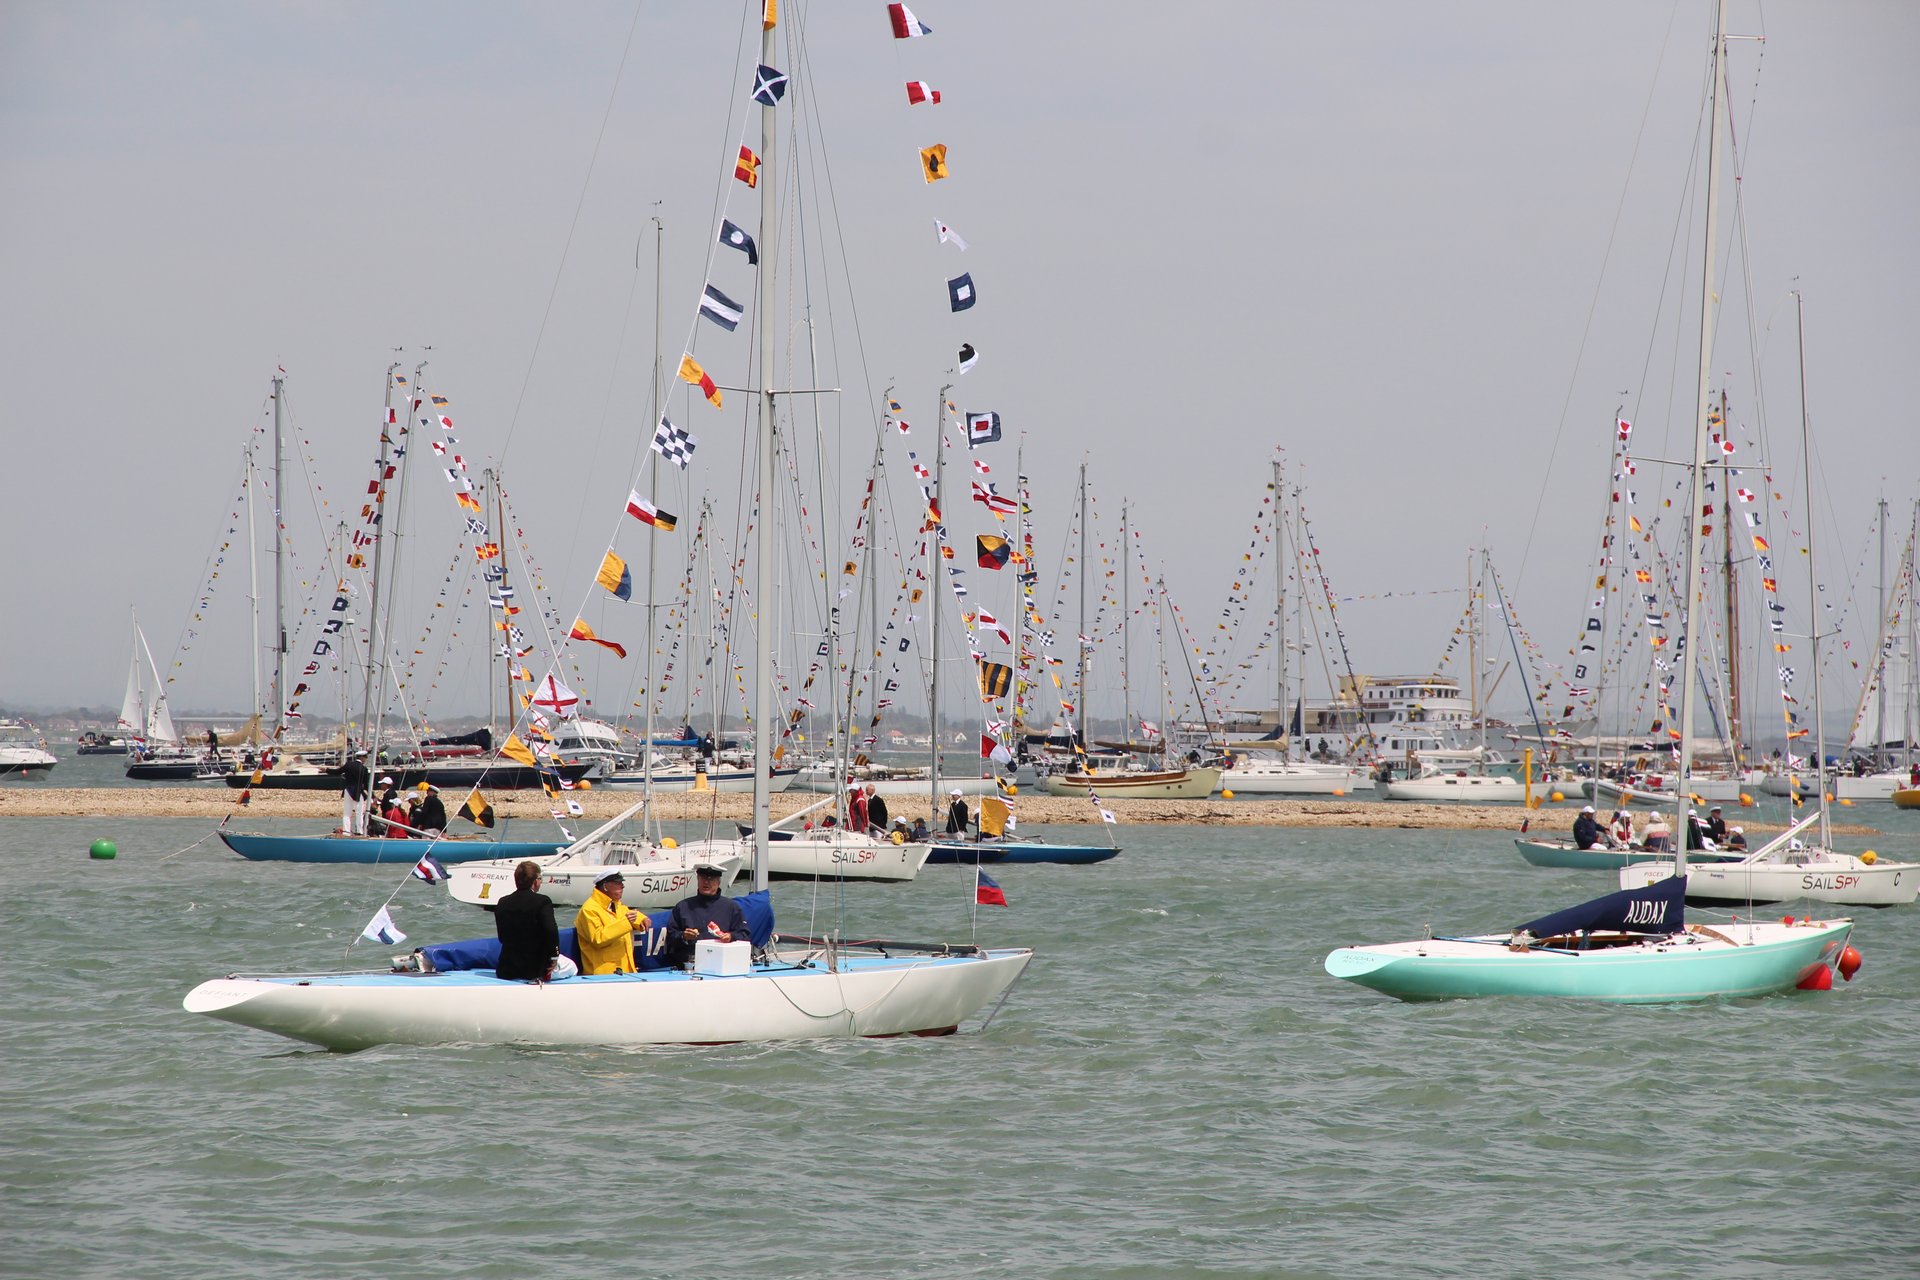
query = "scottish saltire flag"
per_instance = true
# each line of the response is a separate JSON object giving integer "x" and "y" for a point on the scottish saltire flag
{"x": 769, "y": 86}
{"x": 429, "y": 869}
{"x": 960, "y": 293}
{"x": 734, "y": 238}
{"x": 968, "y": 356}
{"x": 382, "y": 929}
{"x": 719, "y": 308}
{"x": 905, "y": 25}
{"x": 986, "y": 890}
{"x": 673, "y": 444}
{"x": 982, "y": 428}
{"x": 948, "y": 234}
{"x": 919, "y": 91}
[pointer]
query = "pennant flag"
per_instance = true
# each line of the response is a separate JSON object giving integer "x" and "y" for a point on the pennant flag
{"x": 719, "y": 308}
{"x": 477, "y": 811}
{"x": 992, "y": 552}
{"x": 995, "y": 679}
{"x": 557, "y": 698}
{"x": 429, "y": 868}
{"x": 673, "y": 444}
{"x": 690, "y": 371}
{"x": 734, "y": 238}
{"x": 581, "y": 631}
{"x": 905, "y": 25}
{"x": 614, "y": 577}
{"x": 968, "y": 356}
{"x": 986, "y": 890}
{"x": 382, "y": 929}
{"x": 747, "y": 168}
{"x": 960, "y": 293}
{"x": 948, "y": 234}
{"x": 919, "y": 91}
{"x": 769, "y": 86}
{"x": 518, "y": 751}
{"x": 933, "y": 162}
{"x": 646, "y": 513}
{"x": 982, "y": 428}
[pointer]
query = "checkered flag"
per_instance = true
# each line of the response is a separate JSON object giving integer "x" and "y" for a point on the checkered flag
{"x": 673, "y": 444}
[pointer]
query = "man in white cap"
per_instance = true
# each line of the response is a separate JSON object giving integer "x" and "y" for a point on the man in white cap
{"x": 1696, "y": 834}
{"x": 958, "y": 818}
{"x": 1716, "y": 826}
{"x": 1586, "y": 829}
{"x": 709, "y": 913}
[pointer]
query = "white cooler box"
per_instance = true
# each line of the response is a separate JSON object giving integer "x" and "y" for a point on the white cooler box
{"x": 722, "y": 959}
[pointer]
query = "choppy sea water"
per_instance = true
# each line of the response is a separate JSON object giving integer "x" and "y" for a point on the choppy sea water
{"x": 1175, "y": 1088}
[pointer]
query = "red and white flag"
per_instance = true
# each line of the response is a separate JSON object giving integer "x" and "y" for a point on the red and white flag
{"x": 557, "y": 698}
{"x": 919, "y": 91}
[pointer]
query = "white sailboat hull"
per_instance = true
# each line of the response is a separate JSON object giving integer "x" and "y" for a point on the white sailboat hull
{"x": 655, "y": 876}
{"x": 1467, "y": 788}
{"x": 1821, "y": 877}
{"x": 822, "y": 855}
{"x": 1176, "y": 784}
{"x": 795, "y": 999}
{"x": 1277, "y": 778}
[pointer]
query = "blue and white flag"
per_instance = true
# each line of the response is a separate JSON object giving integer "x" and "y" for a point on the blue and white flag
{"x": 382, "y": 929}
{"x": 769, "y": 86}
{"x": 734, "y": 238}
{"x": 719, "y": 308}
{"x": 673, "y": 444}
{"x": 429, "y": 868}
{"x": 960, "y": 293}
{"x": 982, "y": 428}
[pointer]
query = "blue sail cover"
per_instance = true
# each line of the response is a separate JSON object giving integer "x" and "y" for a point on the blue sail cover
{"x": 484, "y": 953}
{"x": 1659, "y": 908}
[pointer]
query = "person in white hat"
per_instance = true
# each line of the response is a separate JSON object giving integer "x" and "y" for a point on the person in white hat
{"x": 958, "y": 816}
{"x": 1586, "y": 829}
{"x": 1621, "y": 832}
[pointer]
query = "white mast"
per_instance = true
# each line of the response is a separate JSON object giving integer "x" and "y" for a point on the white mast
{"x": 1813, "y": 585}
{"x": 279, "y": 574}
{"x": 1689, "y": 660}
{"x": 253, "y": 578}
{"x": 937, "y": 589}
{"x": 766, "y": 434}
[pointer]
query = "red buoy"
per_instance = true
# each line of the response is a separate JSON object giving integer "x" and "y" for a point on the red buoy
{"x": 1849, "y": 963}
{"x": 1820, "y": 978}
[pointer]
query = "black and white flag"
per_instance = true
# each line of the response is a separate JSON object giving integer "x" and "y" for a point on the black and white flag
{"x": 734, "y": 238}
{"x": 968, "y": 356}
{"x": 673, "y": 444}
{"x": 719, "y": 308}
{"x": 769, "y": 86}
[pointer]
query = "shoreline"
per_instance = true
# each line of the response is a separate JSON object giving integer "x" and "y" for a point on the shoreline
{"x": 694, "y": 806}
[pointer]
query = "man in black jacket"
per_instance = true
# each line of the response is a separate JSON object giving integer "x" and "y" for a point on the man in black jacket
{"x": 355, "y": 783}
{"x": 1586, "y": 829}
{"x": 529, "y": 938}
{"x": 876, "y": 810}
{"x": 432, "y": 815}
{"x": 708, "y": 914}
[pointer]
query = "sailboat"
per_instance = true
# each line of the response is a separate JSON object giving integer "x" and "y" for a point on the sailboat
{"x": 1786, "y": 867}
{"x": 795, "y": 988}
{"x": 1635, "y": 945}
{"x": 157, "y": 753}
{"x": 1276, "y": 768}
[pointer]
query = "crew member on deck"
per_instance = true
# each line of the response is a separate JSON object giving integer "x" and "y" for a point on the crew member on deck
{"x": 529, "y": 938}
{"x": 708, "y": 914}
{"x": 605, "y": 927}
{"x": 958, "y": 816}
{"x": 432, "y": 815}
{"x": 1586, "y": 829}
{"x": 356, "y": 782}
{"x": 1622, "y": 829}
{"x": 1716, "y": 826}
{"x": 876, "y": 809}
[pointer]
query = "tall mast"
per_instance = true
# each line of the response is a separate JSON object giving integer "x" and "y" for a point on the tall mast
{"x": 1735, "y": 721}
{"x": 509, "y": 712}
{"x": 1126, "y": 634}
{"x": 1880, "y": 758}
{"x": 253, "y": 578}
{"x": 1280, "y": 611}
{"x": 766, "y": 435}
{"x": 368, "y": 729}
{"x": 1019, "y": 591}
{"x": 1689, "y": 660}
{"x": 653, "y": 483}
{"x": 1473, "y": 654}
{"x": 279, "y": 585}
{"x": 1081, "y": 642}
{"x": 1813, "y": 584}
{"x": 940, "y": 578}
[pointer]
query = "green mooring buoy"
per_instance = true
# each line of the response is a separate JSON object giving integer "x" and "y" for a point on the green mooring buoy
{"x": 102, "y": 849}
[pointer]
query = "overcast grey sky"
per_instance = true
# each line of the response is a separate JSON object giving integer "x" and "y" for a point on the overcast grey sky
{"x": 1373, "y": 235}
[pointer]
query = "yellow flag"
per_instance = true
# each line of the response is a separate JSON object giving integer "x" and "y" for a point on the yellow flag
{"x": 769, "y": 15}
{"x": 614, "y": 577}
{"x": 516, "y": 750}
{"x": 933, "y": 161}
{"x": 690, "y": 371}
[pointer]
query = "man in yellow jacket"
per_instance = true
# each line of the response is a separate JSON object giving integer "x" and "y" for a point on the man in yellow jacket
{"x": 605, "y": 928}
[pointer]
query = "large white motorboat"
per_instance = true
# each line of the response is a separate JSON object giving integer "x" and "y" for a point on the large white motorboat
{"x": 23, "y": 750}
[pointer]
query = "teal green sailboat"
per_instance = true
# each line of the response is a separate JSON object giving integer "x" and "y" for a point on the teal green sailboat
{"x": 1634, "y": 946}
